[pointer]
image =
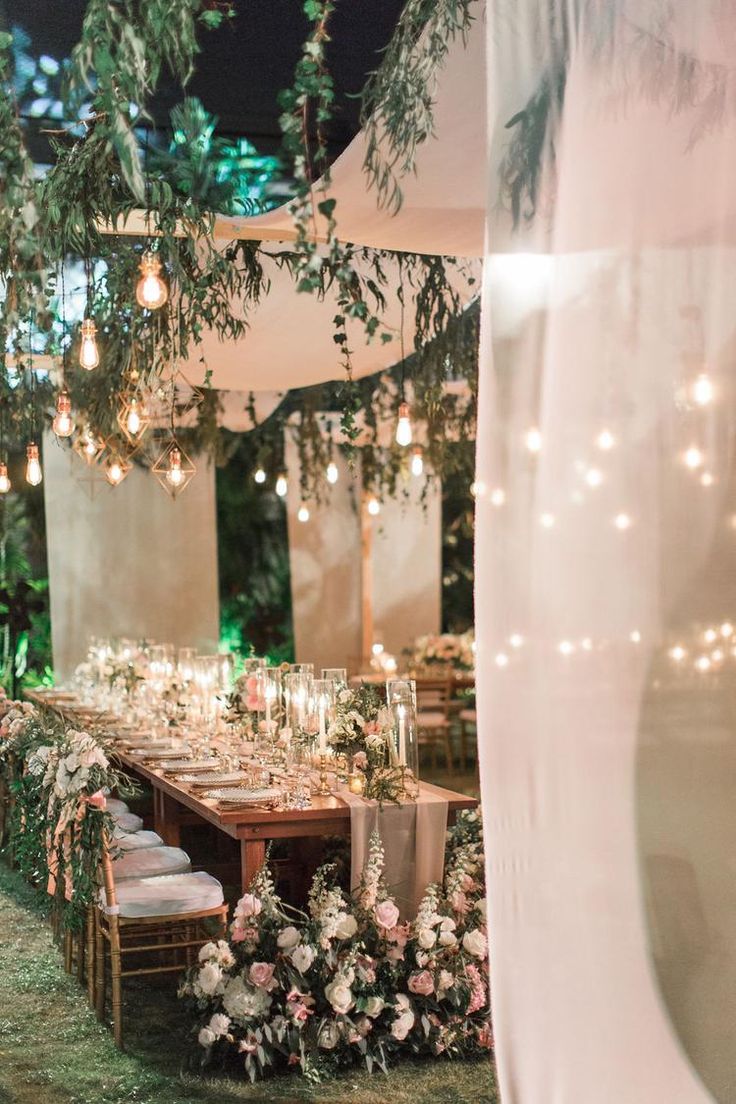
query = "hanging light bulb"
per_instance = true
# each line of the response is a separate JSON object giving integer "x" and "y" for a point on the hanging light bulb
{"x": 282, "y": 486}
{"x": 332, "y": 474}
{"x": 417, "y": 461}
{"x": 703, "y": 390}
{"x": 133, "y": 421}
{"x": 374, "y": 506}
{"x": 174, "y": 474}
{"x": 403, "y": 426}
{"x": 605, "y": 440}
{"x": 693, "y": 457}
{"x": 151, "y": 291}
{"x": 89, "y": 356}
{"x": 303, "y": 513}
{"x": 114, "y": 473}
{"x": 63, "y": 423}
{"x": 533, "y": 439}
{"x": 5, "y": 483}
{"x": 260, "y": 476}
{"x": 34, "y": 474}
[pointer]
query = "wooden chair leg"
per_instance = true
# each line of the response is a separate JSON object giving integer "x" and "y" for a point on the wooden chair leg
{"x": 448, "y": 753}
{"x": 463, "y": 745}
{"x": 100, "y": 977}
{"x": 90, "y": 956}
{"x": 80, "y": 939}
{"x": 116, "y": 984}
{"x": 68, "y": 952}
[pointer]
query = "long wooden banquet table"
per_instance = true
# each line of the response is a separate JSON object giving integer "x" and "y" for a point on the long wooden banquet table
{"x": 253, "y": 826}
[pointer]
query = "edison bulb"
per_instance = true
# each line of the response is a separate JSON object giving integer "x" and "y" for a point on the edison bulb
{"x": 374, "y": 506}
{"x": 303, "y": 513}
{"x": 89, "y": 356}
{"x": 533, "y": 439}
{"x": 151, "y": 291}
{"x": 133, "y": 421}
{"x": 502, "y": 660}
{"x": 260, "y": 476}
{"x": 703, "y": 390}
{"x": 34, "y": 474}
{"x": 332, "y": 474}
{"x": 281, "y": 486}
{"x": 90, "y": 446}
{"x": 63, "y": 424}
{"x": 622, "y": 521}
{"x": 174, "y": 474}
{"x": 498, "y": 496}
{"x": 417, "y": 461}
{"x": 677, "y": 653}
{"x": 5, "y": 483}
{"x": 593, "y": 477}
{"x": 403, "y": 426}
{"x": 114, "y": 473}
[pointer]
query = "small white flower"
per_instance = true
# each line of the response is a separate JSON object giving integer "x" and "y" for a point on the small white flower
{"x": 475, "y": 943}
{"x": 206, "y": 1037}
{"x": 220, "y": 1024}
{"x": 209, "y": 978}
{"x": 288, "y": 938}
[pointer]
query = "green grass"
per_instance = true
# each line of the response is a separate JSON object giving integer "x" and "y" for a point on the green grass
{"x": 53, "y": 1050}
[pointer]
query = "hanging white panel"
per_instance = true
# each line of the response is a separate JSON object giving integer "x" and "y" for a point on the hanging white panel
{"x": 608, "y": 739}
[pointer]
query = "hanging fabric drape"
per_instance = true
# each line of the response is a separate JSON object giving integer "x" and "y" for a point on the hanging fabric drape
{"x": 607, "y": 403}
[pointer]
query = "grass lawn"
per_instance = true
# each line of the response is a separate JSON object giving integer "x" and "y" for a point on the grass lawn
{"x": 52, "y": 1049}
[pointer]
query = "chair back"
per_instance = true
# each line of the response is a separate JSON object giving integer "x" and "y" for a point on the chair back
{"x": 107, "y": 876}
{"x": 433, "y": 695}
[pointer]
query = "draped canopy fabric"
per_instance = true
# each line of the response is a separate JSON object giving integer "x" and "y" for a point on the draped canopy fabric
{"x": 289, "y": 342}
{"x": 607, "y": 403}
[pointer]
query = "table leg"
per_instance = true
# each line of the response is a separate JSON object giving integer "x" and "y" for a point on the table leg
{"x": 252, "y": 856}
{"x": 166, "y": 818}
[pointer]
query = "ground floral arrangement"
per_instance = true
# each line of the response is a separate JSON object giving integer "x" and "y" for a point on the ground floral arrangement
{"x": 348, "y": 982}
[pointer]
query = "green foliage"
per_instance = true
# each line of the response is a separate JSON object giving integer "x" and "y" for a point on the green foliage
{"x": 397, "y": 112}
{"x": 25, "y": 648}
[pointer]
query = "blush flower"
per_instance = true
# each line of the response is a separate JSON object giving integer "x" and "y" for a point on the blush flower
{"x": 386, "y": 914}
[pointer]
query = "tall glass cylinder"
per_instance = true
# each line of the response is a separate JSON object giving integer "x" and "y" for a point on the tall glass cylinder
{"x": 185, "y": 664}
{"x": 337, "y": 675}
{"x": 401, "y": 698}
{"x": 268, "y": 681}
{"x": 324, "y": 695}
{"x": 297, "y": 692}
{"x": 253, "y": 664}
{"x": 301, "y": 669}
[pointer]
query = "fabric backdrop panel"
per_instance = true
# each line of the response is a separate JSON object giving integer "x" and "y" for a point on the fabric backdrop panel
{"x": 608, "y": 739}
{"x": 127, "y": 561}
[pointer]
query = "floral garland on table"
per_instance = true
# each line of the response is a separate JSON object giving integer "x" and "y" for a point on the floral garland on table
{"x": 349, "y": 982}
{"x": 454, "y": 650}
{"x": 362, "y": 731}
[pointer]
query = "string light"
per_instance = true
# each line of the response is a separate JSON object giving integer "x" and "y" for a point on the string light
{"x": 498, "y": 496}
{"x": 502, "y": 660}
{"x": 622, "y": 521}
{"x": 417, "y": 461}
{"x": 703, "y": 663}
{"x": 516, "y": 640}
{"x": 303, "y": 513}
{"x": 533, "y": 439}
{"x": 586, "y": 644}
{"x": 703, "y": 391}
{"x": 282, "y": 486}
{"x": 677, "y": 653}
{"x": 593, "y": 477}
{"x": 89, "y": 355}
{"x": 374, "y": 506}
{"x": 63, "y": 423}
{"x": 151, "y": 290}
{"x": 707, "y": 479}
{"x": 133, "y": 421}
{"x": 726, "y": 629}
{"x": 174, "y": 473}
{"x": 566, "y": 647}
{"x": 710, "y": 636}
{"x": 260, "y": 475}
{"x": 34, "y": 475}
{"x": 116, "y": 470}
{"x": 635, "y": 636}
{"x": 547, "y": 520}
{"x": 605, "y": 440}
{"x": 403, "y": 426}
{"x": 332, "y": 474}
{"x": 5, "y": 483}
{"x": 693, "y": 457}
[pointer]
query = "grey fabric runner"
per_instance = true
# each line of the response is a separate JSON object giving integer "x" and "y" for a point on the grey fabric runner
{"x": 413, "y": 837}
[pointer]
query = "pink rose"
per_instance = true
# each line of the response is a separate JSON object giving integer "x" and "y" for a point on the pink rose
{"x": 371, "y": 728}
{"x": 98, "y": 800}
{"x": 261, "y": 974}
{"x": 468, "y": 883}
{"x": 387, "y": 914}
{"x": 251, "y": 684}
{"x": 237, "y": 935}
{"x": 422, "y": 983}
{"x": 360, "y": 760}
{"x": 249, "y": 905}
{"x": 459, "y": 902}
{"x": 254, "y": 703}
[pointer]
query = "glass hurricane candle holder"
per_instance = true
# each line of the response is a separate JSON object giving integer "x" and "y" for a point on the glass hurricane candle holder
{"x": 401, "y": 699}
{"x": 186, "y": 659}
{"x": 301, "y": 669}
{"x": 337, "y": 675}
{"x": 253, "y": 664}
{"x": 324, "y": 697}
{"x": 297, "y": 694}
{"x": 268, "y": 681}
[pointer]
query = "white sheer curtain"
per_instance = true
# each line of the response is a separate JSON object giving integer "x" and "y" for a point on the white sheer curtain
{"x": 606, "y": 555}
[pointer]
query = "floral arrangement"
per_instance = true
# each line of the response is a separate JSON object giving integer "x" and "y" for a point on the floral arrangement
{"x": 349, "y": 982}
{"x": 455, "y": 650}
{"x": 362, "y": 731}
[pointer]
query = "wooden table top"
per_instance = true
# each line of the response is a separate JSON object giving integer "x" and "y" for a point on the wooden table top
{"x": 240, "y": 822}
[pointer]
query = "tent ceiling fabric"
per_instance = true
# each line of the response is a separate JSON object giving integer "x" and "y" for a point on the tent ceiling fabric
{"x": 290, "y": 339}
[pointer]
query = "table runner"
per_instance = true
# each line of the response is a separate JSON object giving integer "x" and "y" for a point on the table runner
{"x": 413, "y": 837}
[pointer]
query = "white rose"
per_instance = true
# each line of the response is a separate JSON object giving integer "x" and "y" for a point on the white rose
{"x": 329, "y": 1036}
{"x": 208, "y": 951}
{"x": 346, "y": 925}
{"x": 427, "y": 938}
{"x": 445, "y": 981}
{"x": 243, "y": 1001}
{"x": 402, "y": 1025}
{"x": 339, "y": 995}
{"x": 288, "y": 938}
{"x": 447, "y": 924}
{"x": 475, "y": 943}
{"x": 219, "y": 1024}
{"x": 206, "y": 1037}
{"x": 447, "y": 939}
{"x": 374, "y": 1006}
{"x": 209, "y": 978}
{"x": 302, "y": 957}
{"x": 481, "y": 906}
